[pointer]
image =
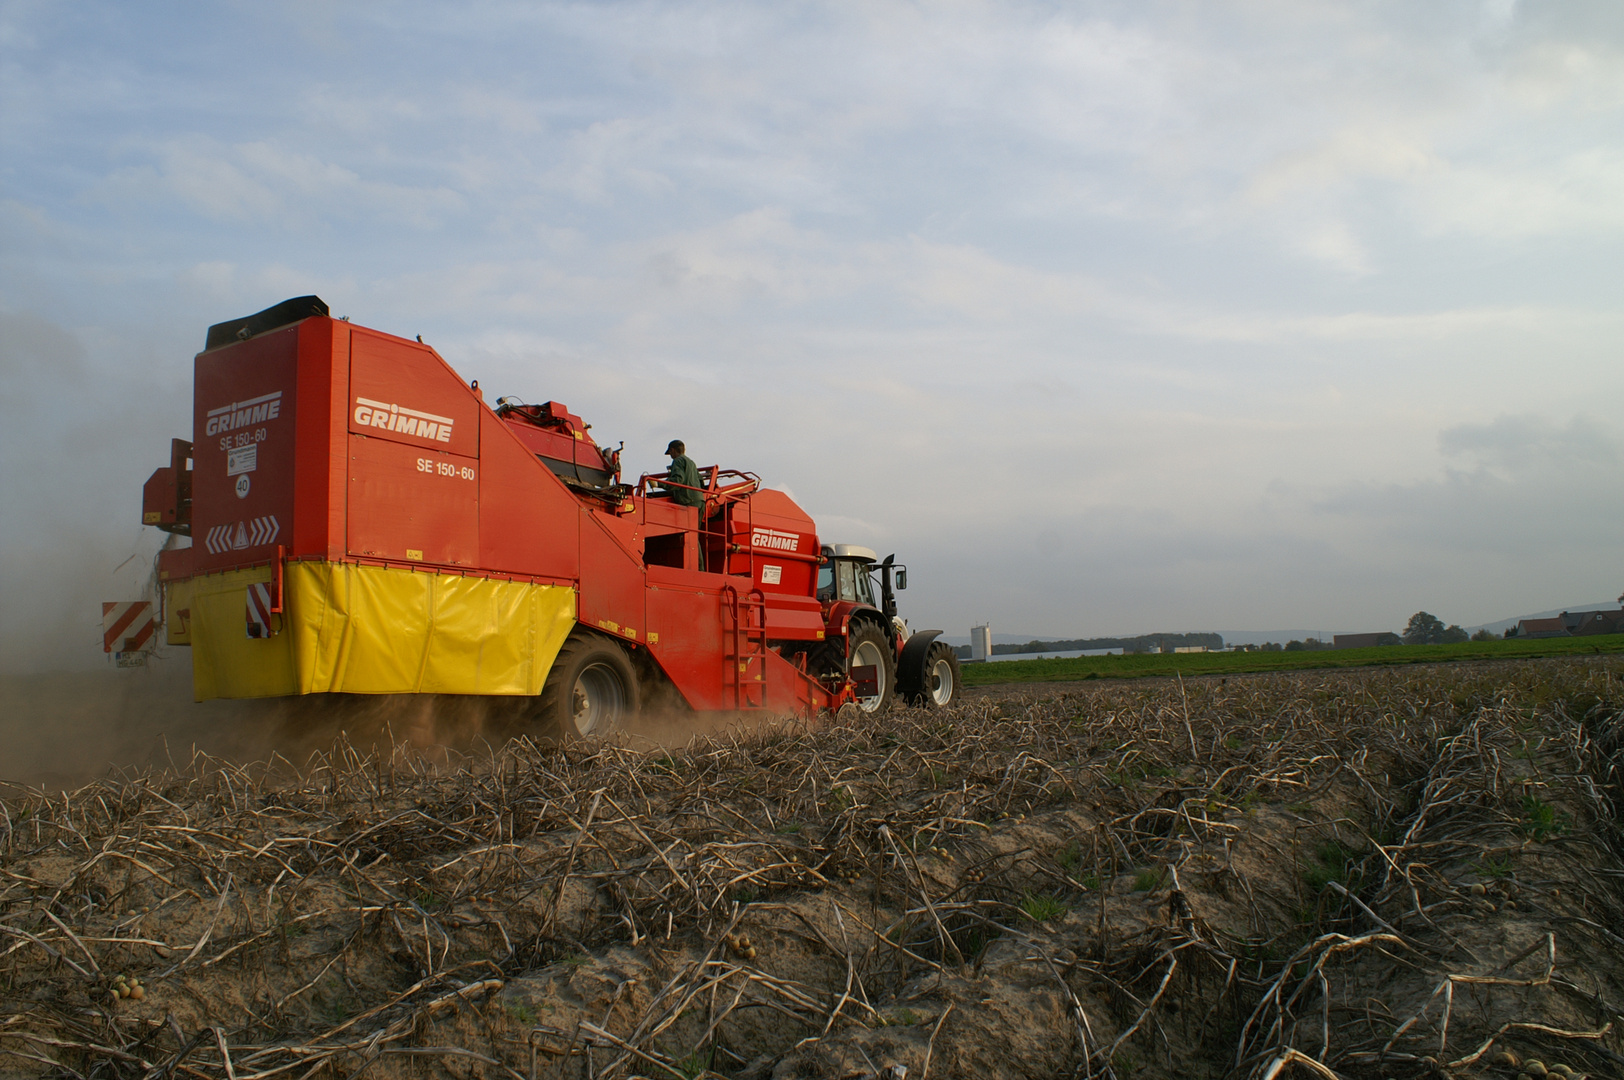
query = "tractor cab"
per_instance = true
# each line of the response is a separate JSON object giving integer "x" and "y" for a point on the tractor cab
{"x": 846, "y": 574}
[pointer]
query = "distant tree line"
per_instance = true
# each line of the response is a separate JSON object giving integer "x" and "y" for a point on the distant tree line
{"x": 1423, "y": 628}
{"x": 1427, "y": 629}
{"x": 1143, "y": 643}
{"x": 1295, "y": 646}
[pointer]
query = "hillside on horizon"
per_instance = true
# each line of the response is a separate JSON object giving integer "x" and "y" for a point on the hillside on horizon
{"x": 1258, "y": 637}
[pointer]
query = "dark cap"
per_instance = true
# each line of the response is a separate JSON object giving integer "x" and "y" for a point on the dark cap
{"x": 676, "y": 447}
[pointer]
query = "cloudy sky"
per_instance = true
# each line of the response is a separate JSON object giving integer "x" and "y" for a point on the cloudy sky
{"x": 1106, "y": 317}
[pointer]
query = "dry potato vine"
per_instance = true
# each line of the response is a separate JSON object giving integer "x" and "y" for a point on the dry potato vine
{"x": 1350, "y": 874}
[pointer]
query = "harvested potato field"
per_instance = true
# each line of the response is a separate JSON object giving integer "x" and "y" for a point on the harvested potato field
{"x": 1377, "y": 873}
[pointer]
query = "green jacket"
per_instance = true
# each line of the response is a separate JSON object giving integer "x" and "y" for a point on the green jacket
{"x": 684, "y": 471}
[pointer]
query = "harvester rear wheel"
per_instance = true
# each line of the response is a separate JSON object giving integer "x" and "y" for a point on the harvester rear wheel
{"x": 591, "y": 690}
{"x": 866, "y": 645}
{"x": 943, "y": 684}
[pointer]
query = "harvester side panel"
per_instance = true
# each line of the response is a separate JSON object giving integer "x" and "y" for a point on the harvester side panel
{"x": 776, "y": 544}
{"x": 413, "y": 455}
{"x": 571, "y": 453}
{"x": 794, "y": 618}
{"x": 685, "y": 627}
{"x": 790, "y": 691}
{"x": 613, "y": 584}
{"x": 319, "y": 484}
{"x": 243, "y": 450}
{"x": 528, "y": 522}
{"x": 670, "y": 534}
{"x": 403, "y": 392}
{"x": 412, "y": 504}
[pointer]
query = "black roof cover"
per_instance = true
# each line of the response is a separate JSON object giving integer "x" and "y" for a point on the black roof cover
{"x": 288, "y": 311}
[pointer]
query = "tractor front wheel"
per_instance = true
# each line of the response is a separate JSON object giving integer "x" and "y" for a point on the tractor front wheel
{"x": 866, "y": 646}
{"x": 591, "y": 690}
{"x": 942, "y": 684}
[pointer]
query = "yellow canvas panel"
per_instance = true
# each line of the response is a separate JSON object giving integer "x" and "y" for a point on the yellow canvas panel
{"x": 370, "y": 630}
{"x": 178, "y": 612}
{"x": 466, "y": 651}
{"x": 226, "y": 662}
{"x": 375, "y": 629}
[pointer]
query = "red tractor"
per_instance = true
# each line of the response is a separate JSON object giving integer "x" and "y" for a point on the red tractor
{"x": 361, "y": 521}
{"x": 864, "y": 632}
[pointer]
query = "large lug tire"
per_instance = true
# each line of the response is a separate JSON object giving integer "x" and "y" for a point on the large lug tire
{"x": 591, "y": 691}
{"x": 866, "y": 644}
{"x": 942, "y": 684}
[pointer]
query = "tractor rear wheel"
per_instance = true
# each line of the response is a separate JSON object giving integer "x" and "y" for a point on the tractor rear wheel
{"x": 866, "y": 646}
{"x": 942, "y": 684}
{"x": 591, "y": 690}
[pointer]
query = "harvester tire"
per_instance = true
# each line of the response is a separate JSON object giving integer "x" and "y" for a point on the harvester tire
{"x": 943, "y": 684}
{"x": 867, "y": 644}
{"x": 591, "y": 691}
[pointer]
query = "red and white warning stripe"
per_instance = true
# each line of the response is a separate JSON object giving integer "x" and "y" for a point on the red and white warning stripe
{"x": 128, "y": 625}
{"x": 262, "y": 530}
{"x": 259, "y": 610}
{"x": 243, "y": 534}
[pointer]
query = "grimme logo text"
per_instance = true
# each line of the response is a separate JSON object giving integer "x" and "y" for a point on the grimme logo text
{"x": 772, "y": 538}
{"x": 244, "y": 413}
{"x": 402, "y": 421}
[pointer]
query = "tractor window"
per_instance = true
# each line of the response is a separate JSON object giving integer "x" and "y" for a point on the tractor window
{"x": 842, "y": 579}
{"x": 865, "y": 587}
{"x": 845, "y": 580}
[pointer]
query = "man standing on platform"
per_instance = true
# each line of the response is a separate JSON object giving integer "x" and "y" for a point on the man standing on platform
{"x": 684, "y": 472}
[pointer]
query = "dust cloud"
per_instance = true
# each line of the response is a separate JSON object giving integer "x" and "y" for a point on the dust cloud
{"x": 62, "y": 730}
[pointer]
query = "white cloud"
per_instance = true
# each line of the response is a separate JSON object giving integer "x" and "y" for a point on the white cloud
{"x": 1125, "y": 318}
{"x": 1581, "y": 195}
{"x": 264, "y": 181}
{"x": 1334, "y": 243}
{"x": 1521, "y": 444}
{"x": 1390, "y": 150}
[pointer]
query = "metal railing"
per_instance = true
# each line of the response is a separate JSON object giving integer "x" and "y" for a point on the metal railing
{"x": 721, "y": 487}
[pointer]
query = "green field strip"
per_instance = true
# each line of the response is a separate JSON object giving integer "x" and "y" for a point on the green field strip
{"x": 1226, "y": 663}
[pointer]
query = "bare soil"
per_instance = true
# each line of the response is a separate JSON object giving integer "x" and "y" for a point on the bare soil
{"x": 1369, "y": 873}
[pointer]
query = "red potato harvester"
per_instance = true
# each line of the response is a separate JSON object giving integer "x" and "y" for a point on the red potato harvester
{"x": 361, "y": 521}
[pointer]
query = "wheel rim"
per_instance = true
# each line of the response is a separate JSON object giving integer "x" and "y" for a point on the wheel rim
{"x": 941, "y": 682}
{"x": 868, "y": 654}
{"x": 599, "y": 700}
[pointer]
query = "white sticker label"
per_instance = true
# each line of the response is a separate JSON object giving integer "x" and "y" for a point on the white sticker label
{"x": 242, "y": 459}
{"x": 772, "y": 575}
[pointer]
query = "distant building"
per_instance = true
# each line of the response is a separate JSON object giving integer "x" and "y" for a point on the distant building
{"x": 1542, "y": 628}
{"x": 1365, "y": 641}
{"x": 1190, "y": 648}
{"x": 1584, "y": 623}
{"x": 981, "y": 642}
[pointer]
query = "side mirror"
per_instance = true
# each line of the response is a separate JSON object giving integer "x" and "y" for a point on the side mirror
{"x": 902, "y": 578}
